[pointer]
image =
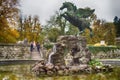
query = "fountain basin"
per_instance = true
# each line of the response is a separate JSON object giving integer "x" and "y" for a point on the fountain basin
{"x": 42, "y": 69}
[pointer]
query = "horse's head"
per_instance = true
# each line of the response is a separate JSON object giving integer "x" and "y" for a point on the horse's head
{"x": 68, "y": 5}
{"x": 65, "y": 5}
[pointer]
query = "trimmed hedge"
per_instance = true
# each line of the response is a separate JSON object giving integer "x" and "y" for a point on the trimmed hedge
{"x": 93, "y": 49}
{"x": 96, "y": 49}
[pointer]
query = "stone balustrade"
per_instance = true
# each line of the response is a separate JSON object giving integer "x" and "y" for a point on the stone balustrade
{"x": 14, "y": 51}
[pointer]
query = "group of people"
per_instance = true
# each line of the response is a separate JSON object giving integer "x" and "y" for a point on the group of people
{"x": 34, "y": 45}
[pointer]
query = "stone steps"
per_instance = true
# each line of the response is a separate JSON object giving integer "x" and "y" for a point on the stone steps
{"x": 36, "y": 55}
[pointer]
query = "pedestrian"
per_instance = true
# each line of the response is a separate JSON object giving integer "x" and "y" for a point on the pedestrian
{"x": 38, "y": 47}
{"x": 31, "y": 47}
{"x": 34, "y": 44}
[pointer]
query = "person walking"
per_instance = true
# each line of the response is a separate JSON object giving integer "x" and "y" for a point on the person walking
{"x": 34, "y": 44}
{"x": 38, "y": 47}
{"x": 31, "y": 49}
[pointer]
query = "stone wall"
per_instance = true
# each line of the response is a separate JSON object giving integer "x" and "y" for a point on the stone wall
{"x": 14, "y": 51}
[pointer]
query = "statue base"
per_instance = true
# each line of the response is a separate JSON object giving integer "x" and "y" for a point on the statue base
{"x": 74, "y": 46}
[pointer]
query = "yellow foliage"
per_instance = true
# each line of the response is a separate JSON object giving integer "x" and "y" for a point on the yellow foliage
{"x": 14, "y": 33}
{"x": 104, "y": 32}
{"x": 98, "y": 44}
{"x": 9, "y": 35}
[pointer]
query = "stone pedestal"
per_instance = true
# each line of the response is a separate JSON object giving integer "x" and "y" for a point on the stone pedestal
{"x": 73, "y": 45}
{"x": 58, "y": 57}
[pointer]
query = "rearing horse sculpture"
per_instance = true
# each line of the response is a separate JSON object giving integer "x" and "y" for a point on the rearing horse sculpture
{"x": 77, "y": 17}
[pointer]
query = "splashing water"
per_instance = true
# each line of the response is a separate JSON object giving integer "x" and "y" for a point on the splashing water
{"x": 53, "y": 52}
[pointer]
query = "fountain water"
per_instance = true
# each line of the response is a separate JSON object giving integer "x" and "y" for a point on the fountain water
{"x": 52, "y": 53}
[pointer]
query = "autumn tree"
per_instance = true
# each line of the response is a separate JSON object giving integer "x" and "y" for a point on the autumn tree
{"x": 102, "y": 31}
{"x": 30, "y": 28}
{"x": 8, "y": 15}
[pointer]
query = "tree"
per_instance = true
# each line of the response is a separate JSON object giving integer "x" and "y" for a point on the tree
{"x": 117, "y": 26}
{"x": 8, "y": 11}
{"x": 30, "y": 28}
{"x": 102, "y": 31}
{"x": 53, "y": 34}
{"x": 56, "y": 21}
{"x": 8, "y": 15}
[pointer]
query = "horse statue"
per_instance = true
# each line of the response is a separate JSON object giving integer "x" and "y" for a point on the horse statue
{"x": 77, "y": 17}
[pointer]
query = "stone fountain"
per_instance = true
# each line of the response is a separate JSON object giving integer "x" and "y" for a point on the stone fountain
{"x": 70, "y": 54}
{"x": 73, "y": 45}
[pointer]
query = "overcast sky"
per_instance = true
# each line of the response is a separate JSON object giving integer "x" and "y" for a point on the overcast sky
{"x": 104, "y": 9}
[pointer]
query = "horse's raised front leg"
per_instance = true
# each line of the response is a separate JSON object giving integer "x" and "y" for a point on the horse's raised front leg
{"x": 91, "y": 32}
